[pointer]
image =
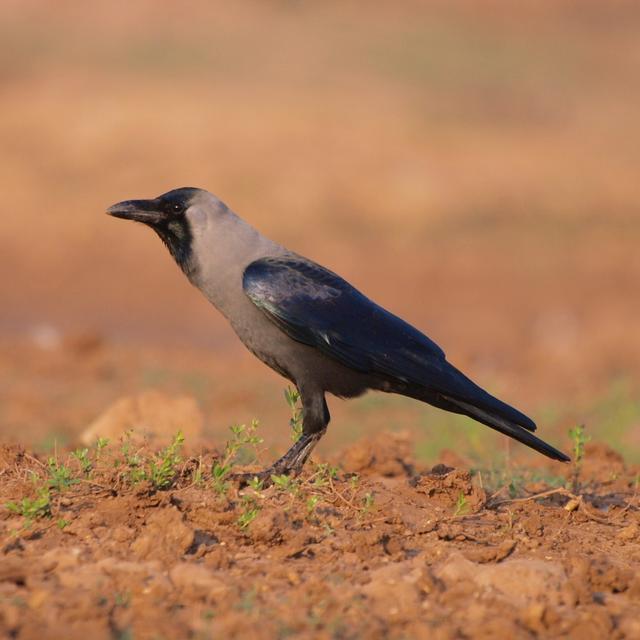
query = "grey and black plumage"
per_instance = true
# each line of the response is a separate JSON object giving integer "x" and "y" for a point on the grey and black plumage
{"x": 309, "y": 324}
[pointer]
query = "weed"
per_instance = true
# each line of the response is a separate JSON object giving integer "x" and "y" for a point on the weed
{"x": 33, "y": 508}
{"x": 163, "y": 469}
{"x": 250, "y": 503}
{"x": 62, "y": 523}
{"x": 133, "y": 461}
{"x": 286, "y": 483}
{"x": 82, "y": 456}
{"x": 495, "y": 480}
{"x": 367, "y": 502}
{"x": 101, "y": 443}
{"x": 247, "y": 516}
{"x": 197, "y": 477}
{"x": 250, "y": 509}
{"x": 312, "y": 502}
{"x": 60, "y": 476}
{"x": 219, "y": 475}
{"x": 579, "y": 439}
{"x": 462, "y": 505}
{"x": 242, "y": 436}
{"x": 292, "y": 396}
{"x": 323, "y": 474}
{"x": 256, "y": 484}
{"x": 515, "y": 486}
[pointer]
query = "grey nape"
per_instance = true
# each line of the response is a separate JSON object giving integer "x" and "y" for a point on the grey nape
{"x": 310, "y": 325}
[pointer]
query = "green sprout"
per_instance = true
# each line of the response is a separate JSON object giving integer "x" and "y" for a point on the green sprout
{"x": 33, "y": 508}
{"x": 82, "y": 456}
{"x": 60, "y": 476}
{"x": 242, "y": 436}
{"x": 579, "y": 439}
{"x": 292, "y": 396}
{"x": 462, "y": 505}
{"x": 163, "y": 469}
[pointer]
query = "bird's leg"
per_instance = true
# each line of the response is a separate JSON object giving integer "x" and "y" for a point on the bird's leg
{"x": 315, "y": 417}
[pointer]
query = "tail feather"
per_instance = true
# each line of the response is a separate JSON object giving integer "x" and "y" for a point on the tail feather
{"x": 453, "y": 391}
{"x": 508, "y": 427}
{"x": 459, "y": 388}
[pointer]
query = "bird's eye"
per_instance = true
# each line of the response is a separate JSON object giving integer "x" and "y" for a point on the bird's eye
{"x": 177, "y": 208}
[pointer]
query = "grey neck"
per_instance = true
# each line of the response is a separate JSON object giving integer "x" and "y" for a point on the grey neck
{"x": 220, "y": 255}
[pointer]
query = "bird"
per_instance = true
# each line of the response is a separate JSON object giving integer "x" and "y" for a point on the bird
{"x": 310, "y": 325}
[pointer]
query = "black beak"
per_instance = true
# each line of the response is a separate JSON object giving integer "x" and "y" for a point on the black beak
{"x": 146, "y": 211}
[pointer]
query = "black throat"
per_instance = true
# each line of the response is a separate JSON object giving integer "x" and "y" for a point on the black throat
{"x": 176, "y": 235}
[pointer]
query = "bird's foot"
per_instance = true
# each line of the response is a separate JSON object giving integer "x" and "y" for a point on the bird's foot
{"x": 291, "y": 462}
{"x": 262, "y": 478}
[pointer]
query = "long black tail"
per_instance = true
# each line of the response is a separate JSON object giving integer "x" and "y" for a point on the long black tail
{"x": 462, "y": 395}
{"x": 510, "y": 429}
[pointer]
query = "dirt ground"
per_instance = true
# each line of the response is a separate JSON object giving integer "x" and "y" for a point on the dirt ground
{"x": 471, "y": 166}
{"x": 369, "y": 544}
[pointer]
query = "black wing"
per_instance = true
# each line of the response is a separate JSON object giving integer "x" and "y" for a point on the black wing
{"x": 317, "y": 307}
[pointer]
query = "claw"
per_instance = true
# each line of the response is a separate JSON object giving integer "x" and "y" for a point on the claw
{"x": 291, "y": 462}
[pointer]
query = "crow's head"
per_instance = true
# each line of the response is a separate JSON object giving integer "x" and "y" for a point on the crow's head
{"x": 176, "y": 216}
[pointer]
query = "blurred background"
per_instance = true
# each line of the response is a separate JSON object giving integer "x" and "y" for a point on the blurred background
{"x": 473, "y": 167}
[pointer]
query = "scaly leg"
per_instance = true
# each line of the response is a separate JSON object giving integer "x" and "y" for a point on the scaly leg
{"x": 315, "y": 418}
{"x": 290, "y": 463}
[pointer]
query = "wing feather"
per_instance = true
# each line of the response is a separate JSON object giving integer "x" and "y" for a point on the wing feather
{"x": 315, "y": 306}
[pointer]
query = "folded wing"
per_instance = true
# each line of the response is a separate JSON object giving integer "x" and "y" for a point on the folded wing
{"x": 315, "y": 306}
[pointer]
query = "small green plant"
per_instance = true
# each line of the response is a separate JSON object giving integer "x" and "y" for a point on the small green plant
{"x": 163, "y": 470}
{"x": 323, "y": 474}
{"x": 312, "y": 503}
{"x": 462, "y": 505}
{"x": 292, "y": 396}
{"x": 250, "y": 509}
{"x": 286, "y": 483}
{"x": 33, "y": 508}
{"x": 62, "y": 523}
{"x": 508, "y": 526}
{"x": 197, "y": 476}
{"x": 242, "y": 436}
{"x": 579, "y": 439}
{"x": 101, "y": 443}
{"x": 256, "y": 484}
{"x": 219, "y": 477}
{"x": 515, "y": 486}
{"x": 250, "y": 502}
{"x": 132, "y": 461}
{"x": 247, "y": 516}
{"x": 367, "y": 503}
{"x": 82, "y": 456}
{"x": 61, "y": 477}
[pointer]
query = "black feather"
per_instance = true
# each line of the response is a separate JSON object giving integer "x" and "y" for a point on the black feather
{"x": 317, "y": 307}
